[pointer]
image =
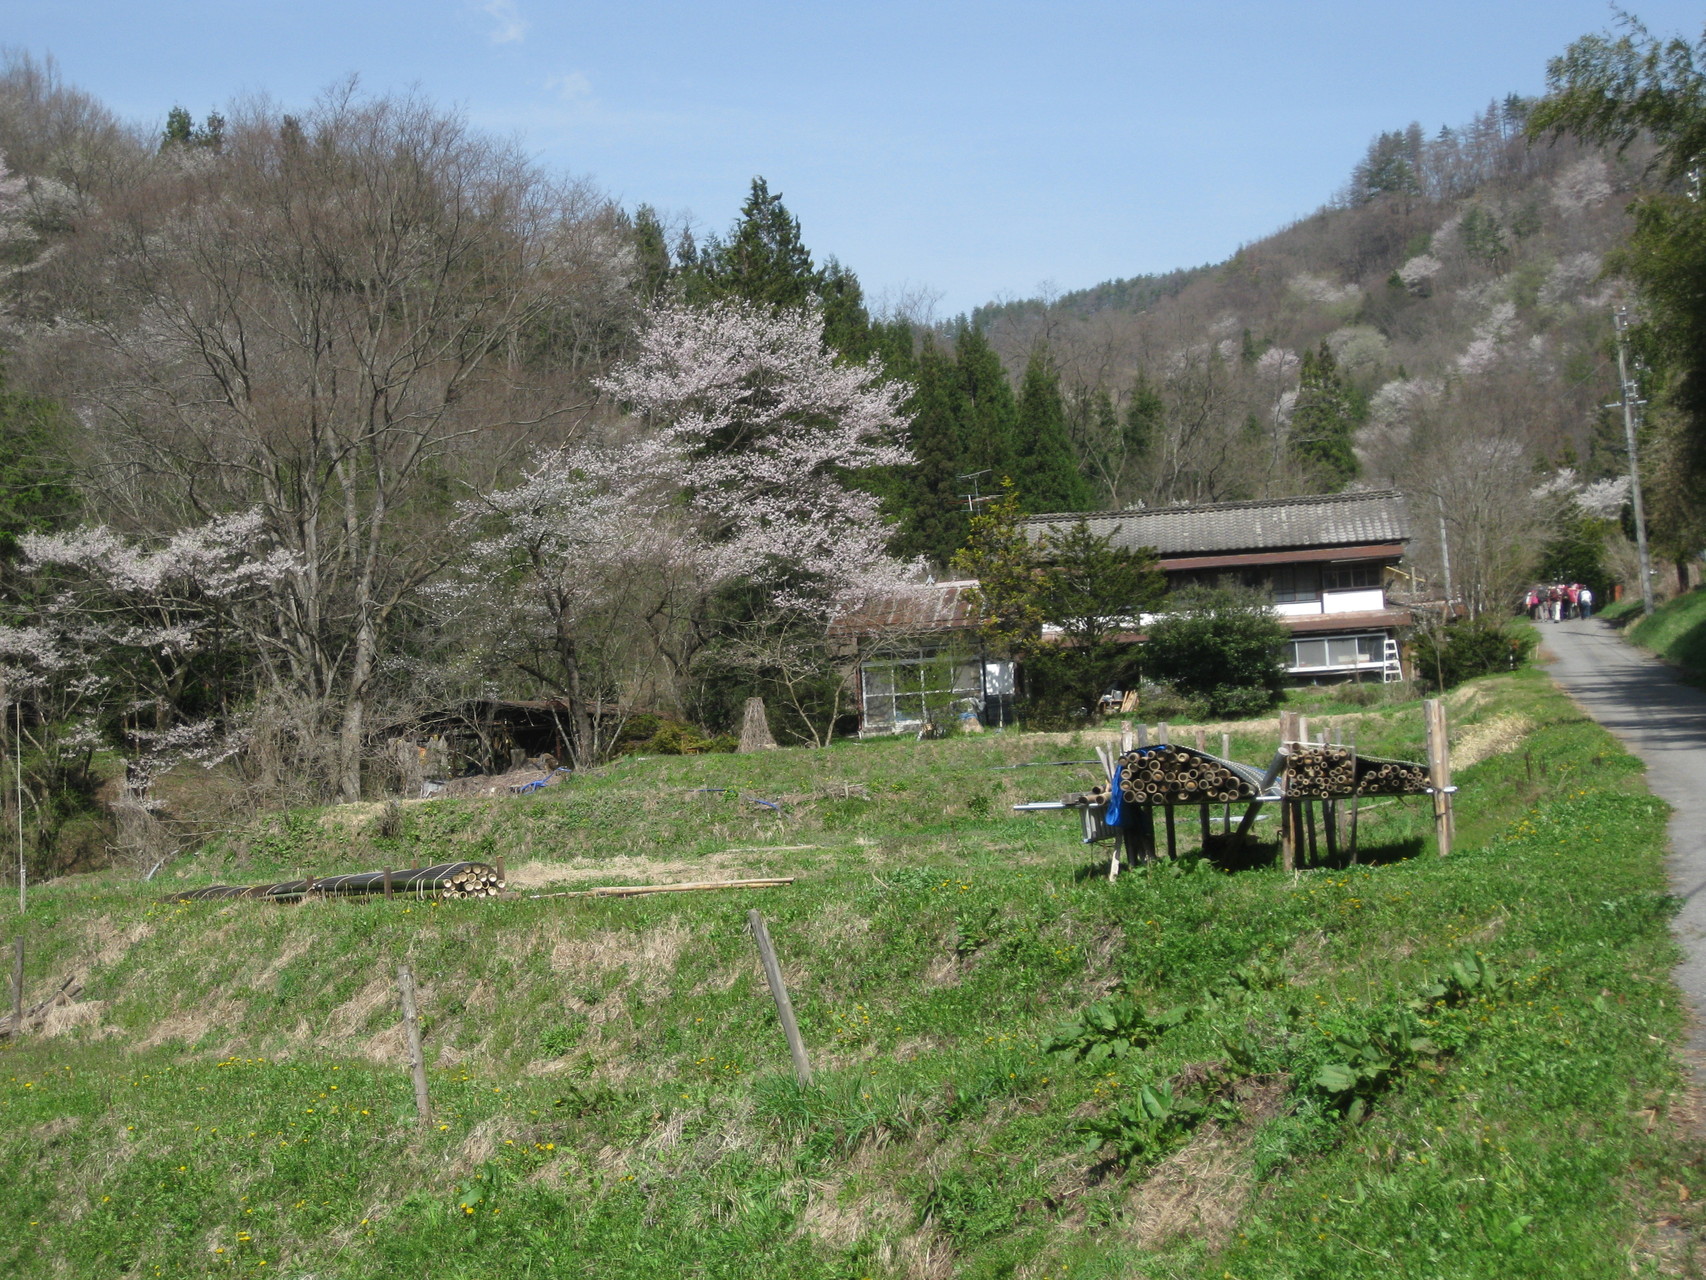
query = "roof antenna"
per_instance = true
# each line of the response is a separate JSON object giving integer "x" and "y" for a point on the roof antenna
{"x": 974, "y": 497}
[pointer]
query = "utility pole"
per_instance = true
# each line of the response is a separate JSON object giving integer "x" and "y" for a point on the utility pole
{"x": 1444, "y": 554}
{"x": 1631, "y": 410}
{"x": 18, "y": 761}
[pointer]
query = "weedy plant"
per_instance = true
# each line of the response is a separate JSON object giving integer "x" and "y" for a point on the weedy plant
{"x": 1145, "y": 1125}
{"x": 1111, "y": 1029}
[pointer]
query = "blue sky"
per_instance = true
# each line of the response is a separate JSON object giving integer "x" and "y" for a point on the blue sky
{"x": 974, "y": 151}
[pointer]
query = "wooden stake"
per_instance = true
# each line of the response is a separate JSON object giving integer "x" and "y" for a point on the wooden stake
{"x": 1206, "y": 832}
{"x": 18, "y": 986}
{"x": 412, "y": 1030}
{"x": 779, "y": 993}
{"x": 387, "y": 882}
{"x": 1226, "y": 754}
{"x": 1161, "y": 732}
{"x": 1142, "y": 735}
{"x": 1146, "y": 832}
{"x": 1172, "y": 837}
{"x": 1202, "y": 738}
{"x": 1439, "y": 772}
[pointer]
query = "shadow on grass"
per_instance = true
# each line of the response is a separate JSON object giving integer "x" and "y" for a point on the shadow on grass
{"x": 1230, "y": 854}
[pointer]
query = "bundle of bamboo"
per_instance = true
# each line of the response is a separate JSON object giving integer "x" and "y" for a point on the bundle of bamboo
{"x": 1376, "y": 777}
{"x": 1168, "y": 774}
{"x": 444, "y": 880}
{"x": 1319, "y": 772}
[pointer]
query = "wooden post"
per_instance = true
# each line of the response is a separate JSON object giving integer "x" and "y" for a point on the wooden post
{"x": 412, "y": 1030}
{"x": 1226, "y": 754}
{"x": 1288, "y": 808}
{"x": 1126, "y": 738}
{"x": 1202, "y": 738}
{"x": 1146, "y": 832}
{"x": 1207, "y": 829}
{"x": 1172, "y": 837}
{"x": 387, "y": 882}
{"x": 1161, "y": 732}
{"x": 778, "y": 992}
{"x": 502, "y": 878}
{"x": 1142, "y": 735}
{"x": 1356, "y": 795}
{"x": 1439, "y": 771}
{"x": 17, "y": 986}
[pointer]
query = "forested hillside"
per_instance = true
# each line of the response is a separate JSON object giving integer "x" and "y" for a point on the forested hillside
{"x": 1443, "y": 325}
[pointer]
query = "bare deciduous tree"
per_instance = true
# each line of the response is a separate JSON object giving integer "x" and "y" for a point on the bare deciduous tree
{"x": 326, "y": 319}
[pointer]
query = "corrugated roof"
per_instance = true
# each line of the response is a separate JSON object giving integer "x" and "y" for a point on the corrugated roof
{"x": 1320, "y": 520}
{"x": 939, "y": 606}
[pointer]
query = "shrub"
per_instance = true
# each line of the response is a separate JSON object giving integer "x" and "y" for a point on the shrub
{"x": 1459, "y": 651}
{"x": 1221, "y": 646}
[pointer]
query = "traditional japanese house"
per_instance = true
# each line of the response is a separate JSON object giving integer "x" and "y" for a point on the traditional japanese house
{"x": 1326, "y": 560}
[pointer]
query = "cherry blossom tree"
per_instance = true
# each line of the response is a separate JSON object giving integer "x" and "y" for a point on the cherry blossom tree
{"x": 113, "y": 646}
{"x": 737, "y": 470}
{"x": 764, "y": 426}
{"x": 573, "y": 560}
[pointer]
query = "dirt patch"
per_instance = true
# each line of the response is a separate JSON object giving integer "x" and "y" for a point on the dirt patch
{"x": 55, "y": 1128}
{"x": 500, "y": 784}
{"x": 1494, "y": 737}
{"x": 717, "y": 866}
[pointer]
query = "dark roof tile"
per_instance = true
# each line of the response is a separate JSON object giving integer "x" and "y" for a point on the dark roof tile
{"x": 1320, "y": 520}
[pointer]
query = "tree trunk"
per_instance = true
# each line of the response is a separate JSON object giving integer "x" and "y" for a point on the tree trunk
{"x": 582, "y": 739}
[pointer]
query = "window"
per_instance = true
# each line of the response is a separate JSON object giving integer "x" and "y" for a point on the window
{"x": 1350, "y": 577}
{"x": 1337, "y": 651}
{"x": 901, "y": 690}
{"x": 1296, "y": 583}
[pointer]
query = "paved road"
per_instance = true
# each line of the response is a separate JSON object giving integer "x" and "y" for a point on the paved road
{"x": 1664, "y": 722}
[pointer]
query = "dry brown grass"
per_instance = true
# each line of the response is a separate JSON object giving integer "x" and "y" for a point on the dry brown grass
{"x": 1478, "y": 742}
{"x": 1202, "y": 1189}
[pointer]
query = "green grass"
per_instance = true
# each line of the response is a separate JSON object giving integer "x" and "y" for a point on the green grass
{"x": 1620, "y": 612}
{"x": 1677, "y": 631}
{"x": 614, "y": 1098}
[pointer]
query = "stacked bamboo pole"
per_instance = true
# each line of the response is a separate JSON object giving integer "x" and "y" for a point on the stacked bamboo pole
{"x": 443, "y": 880}
{"x": 1169, "y": 775}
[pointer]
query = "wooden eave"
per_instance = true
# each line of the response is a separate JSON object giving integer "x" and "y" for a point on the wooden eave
{"x": 1306, "y": 555}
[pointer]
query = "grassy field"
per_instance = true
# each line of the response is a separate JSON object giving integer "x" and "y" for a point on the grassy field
{"x": 1410, "y": 1067}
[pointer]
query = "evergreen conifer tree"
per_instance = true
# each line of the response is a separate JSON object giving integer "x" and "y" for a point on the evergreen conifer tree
{"x": 651, "y": 253}
{"x": 763, "y": 260}
{"x": 1047, "y": 473}
{"x": 1144, "y": 414}
{"x": 933, "y": 515}
{"x": 1323, "y": 420}
{"x": 989, "y": 419}
{"x": 846, "y": 323}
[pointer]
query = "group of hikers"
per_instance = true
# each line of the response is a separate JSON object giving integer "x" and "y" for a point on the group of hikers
{"x": 1559, "y": 601}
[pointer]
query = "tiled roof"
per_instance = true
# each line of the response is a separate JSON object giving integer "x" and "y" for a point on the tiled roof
{"x": 939, "y": 606}
{"x": 1322, "y": 520}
